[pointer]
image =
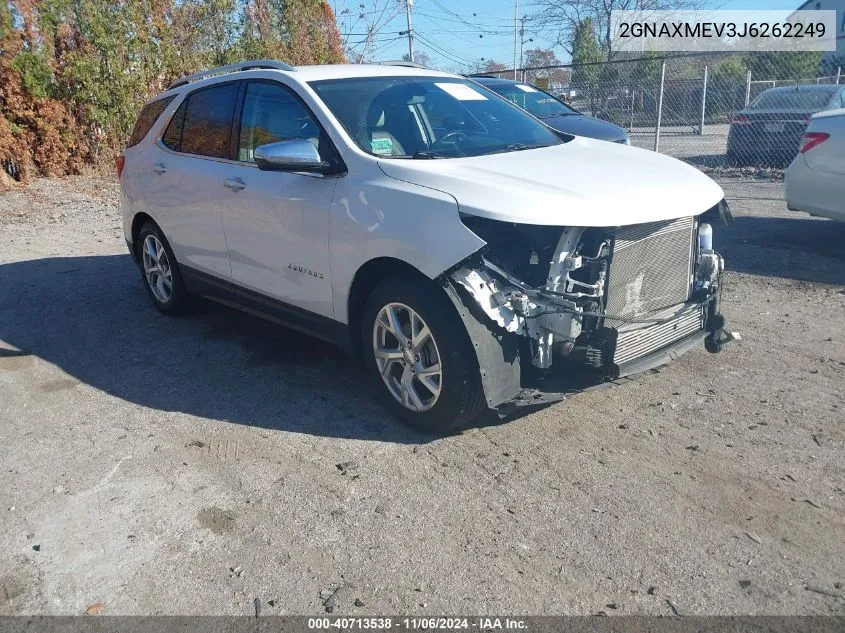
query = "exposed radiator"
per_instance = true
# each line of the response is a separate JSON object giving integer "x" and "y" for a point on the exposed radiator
{"x": 636, "y": 340}
{"x": 651, "y": 267}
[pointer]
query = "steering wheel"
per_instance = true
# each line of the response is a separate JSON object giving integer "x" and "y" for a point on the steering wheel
{"x": 451, "y": 137}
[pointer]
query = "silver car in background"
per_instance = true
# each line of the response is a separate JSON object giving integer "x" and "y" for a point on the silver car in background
{"x": 815, "y": 181}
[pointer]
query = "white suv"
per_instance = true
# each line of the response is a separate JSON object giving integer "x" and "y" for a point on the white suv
{"x": 456, "y": 243}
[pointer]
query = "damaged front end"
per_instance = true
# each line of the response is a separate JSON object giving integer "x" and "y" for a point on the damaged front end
{"x": 607, "y": 302}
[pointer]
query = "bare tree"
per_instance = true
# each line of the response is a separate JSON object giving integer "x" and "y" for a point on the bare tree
{"x": 420, "y": 57}
{"x": 489, "y": 66}
{"x": 562, "y": 17}
{"x": 361, "y": 25}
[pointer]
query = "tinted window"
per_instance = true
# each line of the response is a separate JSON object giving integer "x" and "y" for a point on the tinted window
{"x": 149, "y": 115}
{"x": 272, "y": 113}
{"x": 804, "y": 100}
{"x": 430, "y": 117}
{"x": 208, "y": 121}
{"x": 541, "y": 104}
{"x": 173, "y": 134}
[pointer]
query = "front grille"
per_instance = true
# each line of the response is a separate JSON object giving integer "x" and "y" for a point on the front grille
{"x": 635, "y": 340}
{"x": 650, "y": 267}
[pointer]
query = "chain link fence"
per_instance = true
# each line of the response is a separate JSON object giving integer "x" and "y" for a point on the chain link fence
{"x": 737, "y": 116}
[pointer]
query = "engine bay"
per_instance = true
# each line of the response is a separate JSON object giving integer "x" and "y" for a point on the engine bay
{"x": 598, "y": 297}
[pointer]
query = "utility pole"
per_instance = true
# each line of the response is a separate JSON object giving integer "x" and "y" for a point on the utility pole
{"x": 408, "y": 6}
{"x": 515, "y": 34}
{"x": 659, "y": 107}
{"x": 703, "y": 101}
{"x": 747, "y": 87}
{"x": 522, "y": 44}
{"x": 522, "y": 41}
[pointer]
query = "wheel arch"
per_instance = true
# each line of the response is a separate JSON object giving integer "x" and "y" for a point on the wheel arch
{"x": 367, "y": 277}
{"x": 138, "y": 221}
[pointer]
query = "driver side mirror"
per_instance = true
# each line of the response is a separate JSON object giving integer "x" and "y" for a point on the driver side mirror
{"x": 291, "y": 155}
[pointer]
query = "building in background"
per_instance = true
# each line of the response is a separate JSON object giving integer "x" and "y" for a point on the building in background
{"x": 831, "y": 59}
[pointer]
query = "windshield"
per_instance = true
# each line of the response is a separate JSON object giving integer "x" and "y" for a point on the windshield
{"x": 429, "y": 117}
{"x": 808, "y": 100}
{"x": 541, "y": 104}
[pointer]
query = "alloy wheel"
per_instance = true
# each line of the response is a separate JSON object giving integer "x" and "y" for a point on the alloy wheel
{"x": 407, "y": 357}
{"x": 157, "y": 269}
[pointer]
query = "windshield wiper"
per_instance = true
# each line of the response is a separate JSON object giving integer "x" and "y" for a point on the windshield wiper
{"x": 519, "y": 147}
{"x": 428, "y": 155}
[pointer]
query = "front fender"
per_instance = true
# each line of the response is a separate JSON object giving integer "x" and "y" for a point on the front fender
{"x": 384, "y": 217}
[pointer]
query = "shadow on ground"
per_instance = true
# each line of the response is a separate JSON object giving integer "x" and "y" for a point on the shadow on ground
{"x": 91, "y": 317}
{"x": 707, "y": 160}
{"x": 720, "y": 160}
{"x": 801, "y": 248}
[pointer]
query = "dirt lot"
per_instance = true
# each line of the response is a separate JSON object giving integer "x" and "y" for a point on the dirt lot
{"x": 190, "y": 466}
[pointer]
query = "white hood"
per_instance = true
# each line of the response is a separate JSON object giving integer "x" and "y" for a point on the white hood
{"x": 584, "y": 182}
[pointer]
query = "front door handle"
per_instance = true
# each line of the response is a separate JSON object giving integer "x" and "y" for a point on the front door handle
{"x": 159, "y": 168}
{"x": 235, "y": 184}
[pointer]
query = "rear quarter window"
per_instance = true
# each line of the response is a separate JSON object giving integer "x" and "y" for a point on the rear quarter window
{"x": 172, "y": 136}
{"x": 149, "y": 115}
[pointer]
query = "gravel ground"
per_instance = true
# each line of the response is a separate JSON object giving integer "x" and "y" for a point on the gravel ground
{"x": 187, "y": 466}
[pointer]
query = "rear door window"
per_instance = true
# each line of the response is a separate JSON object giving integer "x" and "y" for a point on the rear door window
{"x": 205, "y": 124}
{"x": 149, "y": 115}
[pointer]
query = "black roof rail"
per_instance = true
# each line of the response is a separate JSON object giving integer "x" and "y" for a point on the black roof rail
{"x": 232, "y": 68}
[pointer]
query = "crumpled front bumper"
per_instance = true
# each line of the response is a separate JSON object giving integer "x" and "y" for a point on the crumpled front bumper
{"x": 511, "y": 382}
{"x": 614, "y": 303}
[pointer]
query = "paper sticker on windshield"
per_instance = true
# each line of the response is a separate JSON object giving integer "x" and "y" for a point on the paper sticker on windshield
{"x": 525, "y": 88}
{"x": 382, "y": 146}
{"x": 462, "y": 92}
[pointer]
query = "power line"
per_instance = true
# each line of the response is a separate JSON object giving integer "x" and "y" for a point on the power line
{"x": 439, "y": 47}
{"x": 447, "y": 54}
{"x": 455, "y": 34}
{"x": 437, "y": 50}
{"x": 461, "y": 21}
{"x": 493, "y": 30}
{"x": 385, "y": 45}
{"x": 436, "y": 22}
{"x": 461, "y": 17}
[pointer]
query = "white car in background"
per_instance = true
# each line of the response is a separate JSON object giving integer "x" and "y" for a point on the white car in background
{"x": 815, "y": 181}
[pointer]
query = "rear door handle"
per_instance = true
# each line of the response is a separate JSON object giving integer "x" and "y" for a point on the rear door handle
{"x": 235, "y": 184}
{"x": 159, "y": 168}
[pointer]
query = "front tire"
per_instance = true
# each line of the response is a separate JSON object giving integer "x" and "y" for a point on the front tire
{"x": 420, "y": 356}
{"x": 160, "y": 271}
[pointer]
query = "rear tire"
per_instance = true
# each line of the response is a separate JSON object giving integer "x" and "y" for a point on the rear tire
{"x": 160, "y": 271}
{"x": 732, "y": 159}
{"x": 428, "y": 374}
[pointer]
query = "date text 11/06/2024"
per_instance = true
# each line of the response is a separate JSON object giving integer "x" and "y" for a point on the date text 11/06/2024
{"x": 423, "y": 623}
